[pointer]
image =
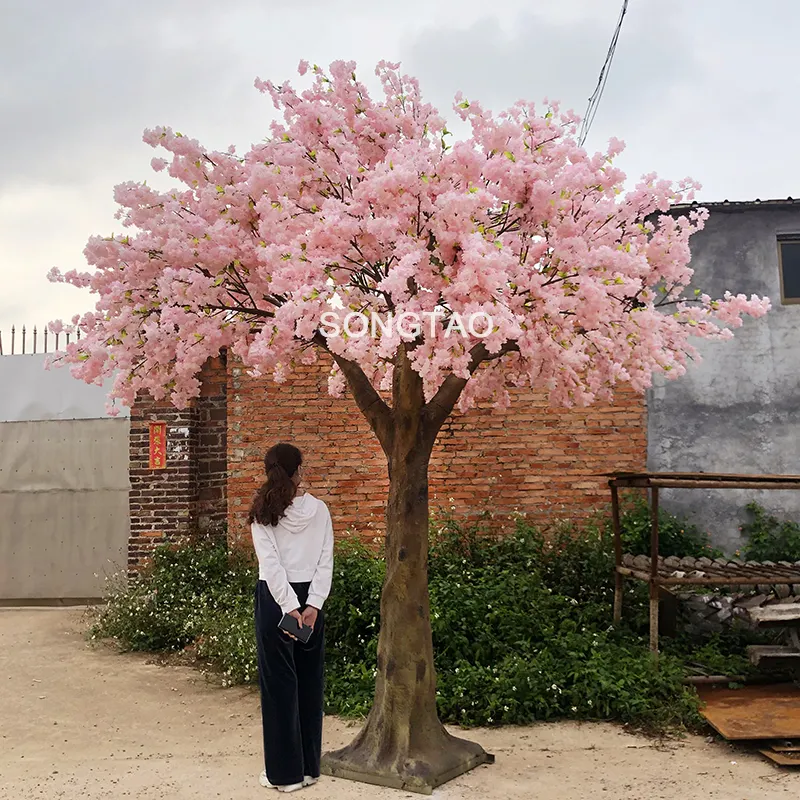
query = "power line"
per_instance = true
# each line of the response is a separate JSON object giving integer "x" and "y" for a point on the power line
{"x": 594, "y": 100}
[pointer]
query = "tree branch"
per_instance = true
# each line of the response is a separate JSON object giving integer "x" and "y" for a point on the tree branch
{"x": 252, "y": 312}
{"x": 441, "y": 405}
{"x": 369, "y": 402}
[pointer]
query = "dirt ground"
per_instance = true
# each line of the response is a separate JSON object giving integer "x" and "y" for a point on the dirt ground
{"x": 80, "y": 721}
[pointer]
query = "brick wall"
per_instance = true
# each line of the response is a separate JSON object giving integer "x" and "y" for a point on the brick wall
{"x": 531, "y": 458}
{"x": 190, "y": 494}
{"x": 212, "y": 446}
{"x": 162, "y": 501}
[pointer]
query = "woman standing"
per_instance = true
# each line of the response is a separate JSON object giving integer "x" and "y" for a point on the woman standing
{"x": 293, "y": 539}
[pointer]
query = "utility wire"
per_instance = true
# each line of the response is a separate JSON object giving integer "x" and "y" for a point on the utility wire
{"x": 594, "y": 100}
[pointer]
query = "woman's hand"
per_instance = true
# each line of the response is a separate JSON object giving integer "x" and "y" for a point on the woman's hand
{"x": 296, "y": 615}
{"x": 310, "y": 616}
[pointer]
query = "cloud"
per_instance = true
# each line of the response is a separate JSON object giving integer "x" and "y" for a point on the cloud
{"x": 700, "y": 89}
{"x": 705, "y": 89}
{"x": 537, "y": 56}
{"x": 89, "y": 77}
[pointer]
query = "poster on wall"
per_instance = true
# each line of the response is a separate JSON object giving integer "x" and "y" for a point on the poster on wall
{"x": 158, "y": 445}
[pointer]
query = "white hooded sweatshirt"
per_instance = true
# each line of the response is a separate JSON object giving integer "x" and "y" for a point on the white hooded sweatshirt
{"x": 299, "y": 549}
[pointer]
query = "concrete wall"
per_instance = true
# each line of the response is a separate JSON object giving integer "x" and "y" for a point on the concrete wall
{"x": 63, "y": 485}
{"x": 737, "y": 411}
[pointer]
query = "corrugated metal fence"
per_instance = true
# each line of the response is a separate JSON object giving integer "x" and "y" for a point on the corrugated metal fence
{"x": 64, "y": 484}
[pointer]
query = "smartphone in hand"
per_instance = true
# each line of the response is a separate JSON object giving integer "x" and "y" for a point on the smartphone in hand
{"x": 290, "y": 625}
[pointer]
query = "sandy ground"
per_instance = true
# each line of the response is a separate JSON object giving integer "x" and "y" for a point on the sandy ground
{"x": 80, "y": 721}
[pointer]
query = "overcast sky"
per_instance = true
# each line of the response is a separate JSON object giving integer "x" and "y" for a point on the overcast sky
{"x": 700, "y": 88}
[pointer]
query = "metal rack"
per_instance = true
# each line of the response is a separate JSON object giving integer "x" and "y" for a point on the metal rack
{"x": 660, "y": 572}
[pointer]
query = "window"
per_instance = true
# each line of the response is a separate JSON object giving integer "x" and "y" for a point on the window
{"x": 789, "y": 263}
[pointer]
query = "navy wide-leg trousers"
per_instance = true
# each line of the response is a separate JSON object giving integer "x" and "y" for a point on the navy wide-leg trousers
{"x": 291, "y": 677}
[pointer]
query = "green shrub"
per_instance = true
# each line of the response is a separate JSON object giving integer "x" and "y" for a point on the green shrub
{"x": 521, "y": 625}
{"x": 676, "y": 536}
{"x": 170, "y": 605}
{"x": 770, "y": 539}
{"x": 227, "y": 640}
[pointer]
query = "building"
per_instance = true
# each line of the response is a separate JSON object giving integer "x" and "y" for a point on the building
{"x": 738, "y": 410}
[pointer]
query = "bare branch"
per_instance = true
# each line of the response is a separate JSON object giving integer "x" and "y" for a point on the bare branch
{"x": 252, "y": 312}
{"x": 441, "y": 405}
{"x": 369, "y": 402}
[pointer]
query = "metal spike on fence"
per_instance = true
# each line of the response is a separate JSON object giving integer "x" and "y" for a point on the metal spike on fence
{"x": 42, "y": 340}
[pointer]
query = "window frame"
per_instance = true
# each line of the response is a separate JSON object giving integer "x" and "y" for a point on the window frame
{"x": 786, "y": 238}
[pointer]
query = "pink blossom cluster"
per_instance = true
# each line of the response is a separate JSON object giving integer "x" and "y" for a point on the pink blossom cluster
{"x": 366, "y": 204}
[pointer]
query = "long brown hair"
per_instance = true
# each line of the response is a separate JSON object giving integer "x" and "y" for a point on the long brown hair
{"x": 271, "y": 501}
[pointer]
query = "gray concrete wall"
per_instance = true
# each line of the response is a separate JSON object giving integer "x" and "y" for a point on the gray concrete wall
{"x": 737, "y": 410}
{"x": 64, "y": 519}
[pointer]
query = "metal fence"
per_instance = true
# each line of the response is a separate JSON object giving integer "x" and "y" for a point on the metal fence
{"x": 29, "y": 341}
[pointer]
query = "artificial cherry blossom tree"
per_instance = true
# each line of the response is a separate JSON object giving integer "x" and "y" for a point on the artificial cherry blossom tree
{"x": 356, "y": 204}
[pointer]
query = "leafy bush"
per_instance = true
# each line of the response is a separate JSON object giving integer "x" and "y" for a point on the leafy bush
{"x": 172, "y": 603}
{"x": 676, "y": 537}
{"x": 521, "y": 625}
{"x": 770, "y": 539}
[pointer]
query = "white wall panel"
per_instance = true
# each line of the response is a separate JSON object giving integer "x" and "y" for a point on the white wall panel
{"x": 28, "y": 391}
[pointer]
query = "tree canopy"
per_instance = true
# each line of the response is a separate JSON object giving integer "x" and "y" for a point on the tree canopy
{"x": 362, "y": 204}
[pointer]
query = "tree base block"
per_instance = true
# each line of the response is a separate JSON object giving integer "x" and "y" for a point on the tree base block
{"x": 419, "y": 775}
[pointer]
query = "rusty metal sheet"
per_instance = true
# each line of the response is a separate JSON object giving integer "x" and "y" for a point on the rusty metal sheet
{"x": 790, "y": 759}
{"x": 753, "y": 712}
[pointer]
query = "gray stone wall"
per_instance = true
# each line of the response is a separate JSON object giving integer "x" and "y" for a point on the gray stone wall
{"x": 737, "y": 410}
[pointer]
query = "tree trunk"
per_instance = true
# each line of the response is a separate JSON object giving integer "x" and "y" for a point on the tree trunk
{"x": 403, "y": 744}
